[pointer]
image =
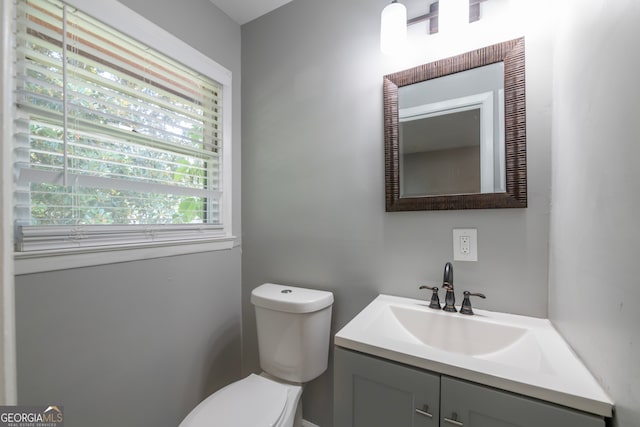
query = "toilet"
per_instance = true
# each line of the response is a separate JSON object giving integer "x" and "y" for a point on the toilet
{"x": 293, "y": 327}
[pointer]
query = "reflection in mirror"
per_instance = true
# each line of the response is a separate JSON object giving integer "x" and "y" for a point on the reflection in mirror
{"x": 455, "y": 132}
{"x": 451, "y": 137}
{"x": 440, "y": 154}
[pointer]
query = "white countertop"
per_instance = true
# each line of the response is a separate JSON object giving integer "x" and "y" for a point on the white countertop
{"x": 538, "y": 364}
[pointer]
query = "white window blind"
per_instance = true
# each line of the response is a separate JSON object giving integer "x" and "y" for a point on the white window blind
{"x": 115, "y": 143}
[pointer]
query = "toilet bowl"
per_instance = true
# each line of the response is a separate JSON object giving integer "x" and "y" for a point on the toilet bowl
{"x": 293, "y": 326}
{"x": 251, "y": 402}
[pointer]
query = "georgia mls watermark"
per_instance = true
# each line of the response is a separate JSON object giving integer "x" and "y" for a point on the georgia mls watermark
{"x": 32, "y": 416}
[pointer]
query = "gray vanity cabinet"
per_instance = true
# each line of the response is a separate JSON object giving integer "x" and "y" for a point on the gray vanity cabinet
{"x": 371, "y": 392}
{"x": 472, "y": 405}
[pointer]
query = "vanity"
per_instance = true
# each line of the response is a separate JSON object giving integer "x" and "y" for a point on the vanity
{"x": 400, "y": 363}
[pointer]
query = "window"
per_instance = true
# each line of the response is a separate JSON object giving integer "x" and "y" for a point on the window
{"x": 116, "y": 144}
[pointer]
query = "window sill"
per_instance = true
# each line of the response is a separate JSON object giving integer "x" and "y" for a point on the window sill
{"x": 62, "y": 259}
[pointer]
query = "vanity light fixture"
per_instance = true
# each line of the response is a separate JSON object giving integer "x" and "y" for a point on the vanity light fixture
{"x": 393, "y": 26}
{"x": 452, "y": 16}
{"x": 394, "y": 23}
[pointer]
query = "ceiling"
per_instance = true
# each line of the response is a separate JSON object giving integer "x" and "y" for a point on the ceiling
{"x": 243, "y": 11}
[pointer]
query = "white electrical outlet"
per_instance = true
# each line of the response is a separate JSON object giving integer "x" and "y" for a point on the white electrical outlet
{"x": 465, "y": 244}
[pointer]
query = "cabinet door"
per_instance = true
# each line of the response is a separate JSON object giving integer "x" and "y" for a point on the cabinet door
{"x": 371, "y": 392}
{"x": 466, "y": 404}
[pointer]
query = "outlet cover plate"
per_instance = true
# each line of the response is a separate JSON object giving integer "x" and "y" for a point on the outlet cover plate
{"x": 465, "y": 244}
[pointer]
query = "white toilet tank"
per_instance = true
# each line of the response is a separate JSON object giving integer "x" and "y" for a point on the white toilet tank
{"x": 293, "y": 330}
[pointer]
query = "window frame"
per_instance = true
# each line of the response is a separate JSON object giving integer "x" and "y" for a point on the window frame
{"x": 127, "y": 21}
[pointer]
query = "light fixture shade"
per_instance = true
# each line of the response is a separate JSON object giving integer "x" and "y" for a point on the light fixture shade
{"x": 454, "y": 16}
{"x": 393, "y": 27}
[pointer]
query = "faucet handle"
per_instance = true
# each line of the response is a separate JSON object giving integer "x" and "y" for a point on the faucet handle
{"x": 435, "y": 299}
{"x": 466, "y": 303}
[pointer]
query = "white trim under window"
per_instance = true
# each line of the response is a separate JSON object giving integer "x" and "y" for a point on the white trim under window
{"x": 36, "y": 262}
{"x": 55, "y": 247}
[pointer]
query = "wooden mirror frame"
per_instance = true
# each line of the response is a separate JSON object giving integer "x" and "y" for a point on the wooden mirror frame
{"x": 512, "y": 54}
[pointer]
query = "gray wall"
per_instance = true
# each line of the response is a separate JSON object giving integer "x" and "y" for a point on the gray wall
{"x": 313, "y": 178}
{"x": 594, "y": 285}
{"x": 135, "y": 344}
{"x": 450, "y": 171}
{"x": 140, "y": 343}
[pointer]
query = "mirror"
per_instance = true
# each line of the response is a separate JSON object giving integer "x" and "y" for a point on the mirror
{"x": 455, "y": 132}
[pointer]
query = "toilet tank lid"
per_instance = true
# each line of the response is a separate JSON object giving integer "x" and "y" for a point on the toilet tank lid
{"x": 290, "y": 299}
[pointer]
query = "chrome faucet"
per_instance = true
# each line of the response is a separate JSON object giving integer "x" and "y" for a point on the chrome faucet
{"x": 447, "y": 283}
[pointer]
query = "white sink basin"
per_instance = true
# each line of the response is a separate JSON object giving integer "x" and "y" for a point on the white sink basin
{"x": 456, "y": 334}
{"x": 516, "y": 353}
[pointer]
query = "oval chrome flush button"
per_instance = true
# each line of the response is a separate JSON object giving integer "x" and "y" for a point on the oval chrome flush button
{"x": 286, "y": 291}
